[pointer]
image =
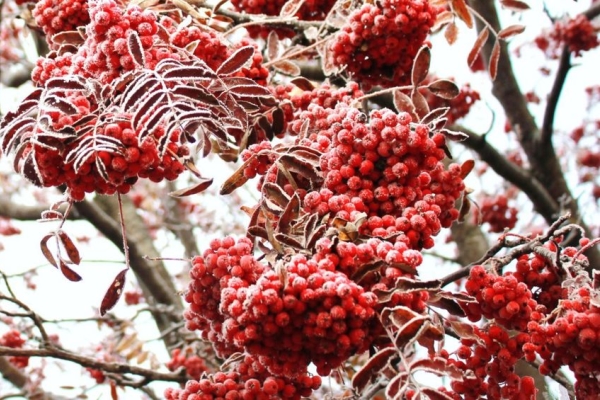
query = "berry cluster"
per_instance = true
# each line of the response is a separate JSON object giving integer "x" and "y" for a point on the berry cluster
{"x": 571, "y": 337}
{"x": 194, "y": 366}
{"x": 315, "y": 314}
{"x": 379, "y": 42}
{"x": 539, "y": 276}
{"x": 503, "y": 298}
{"x": 496, "y": 212}
{"x": 578, "y": 33}
{"x": 54, "y": 16}
{"x": 241, "y": 385}
{"x": 488, "y": 360}
{"x": 14, "y": 340}
{"x": 385, "y": 166}
{"x": 108, "y": 172}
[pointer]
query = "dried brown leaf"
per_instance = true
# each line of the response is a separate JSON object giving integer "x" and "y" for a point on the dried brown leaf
{"x": 372, "y": 367}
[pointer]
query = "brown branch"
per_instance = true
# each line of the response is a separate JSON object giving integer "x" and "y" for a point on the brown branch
{"x": 148, "y": 375}
{"x": 564, "y": 67}
{"x": 10, "y": 209}
{"x": 539, "y": 196}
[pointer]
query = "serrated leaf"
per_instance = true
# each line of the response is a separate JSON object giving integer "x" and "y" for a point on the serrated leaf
{"x": 288, "y": 240}
{"x": 510, "y": 31}
{"x": 444, "y": 88}
{"x": 516, "y": 5}
{"x": 461, "y": 9}
{"x": 113, "y": 293}
{"x": 275, "y": 194}
{"x": 194, "y": 189}
{"x": 300, "y": 166}
{"x": 236, "y": 61}
{"x": 478, "y": 45}
{"x": 439, "y": 366}
{"x": 397, "y": 386}
{"x": 372, "y": 367}
{"x": 30, "y": 170}
{"x": 406, "y": 285}
{"x": 420, "y": 68}
{"x": 134, "y": 45}
{"x": 494, "y": 58}
{"x": 251, "y": 90}
{"x": 69, "y": 247}
{"x": 55, "y": 103}
{"x": 68, "y": 82}
{"x": 435, "y": 116}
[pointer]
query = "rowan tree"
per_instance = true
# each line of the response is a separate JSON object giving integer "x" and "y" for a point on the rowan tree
{"x": 368, "y": 234}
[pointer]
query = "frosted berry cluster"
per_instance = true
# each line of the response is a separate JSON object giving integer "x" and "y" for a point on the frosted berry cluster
{"x": 379, "y": 42}
{"x": 241, "y": 385}
{"x": 503, "y": 298}
{"x": 570, "y": 337}
{"x": 385, "y": 166}
{"x": 14, "y": 340}
{"x": 54, "y": 16}
{"x": 488, "y": 361}
{"x": 315, "y": 314}
{"x": 109, "y": 172}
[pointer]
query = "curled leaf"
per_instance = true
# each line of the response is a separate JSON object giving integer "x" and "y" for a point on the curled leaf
{"x": 69, "y": 247}
{"x": 194, "y": 189}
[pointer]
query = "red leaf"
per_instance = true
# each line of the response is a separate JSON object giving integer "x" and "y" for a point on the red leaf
{"x": 421, "y": 106}
{"x": 516, "y": 5}
{"x": 411, "y": 331}
{"x": 478, "y": 45}
{"x": 434, "y": 394}
{"x": 510, "y": 31}
{"x": 302, "y": 83}
{"x": 466, "y": 168}
{"x": 113, "y": 293}
{"x": 403, "y": 103}
{"x": 236, "y": 60}
{"x": 444, "y": 88}
{"x": 494, "y": 58}
{"x": 375, "y": 364}
{"x": 194, "y": 189}
{"x": 442, "y": 19}
{"x": 461, "y": 9}
{"x": 69, "y": 247}
{"x": 251, "y": 90}
{"x": 46, "y": 251}
{"x": 68, "y": 272}
{"x": 291, "y": 8}
{"x": 420, "y": 68}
